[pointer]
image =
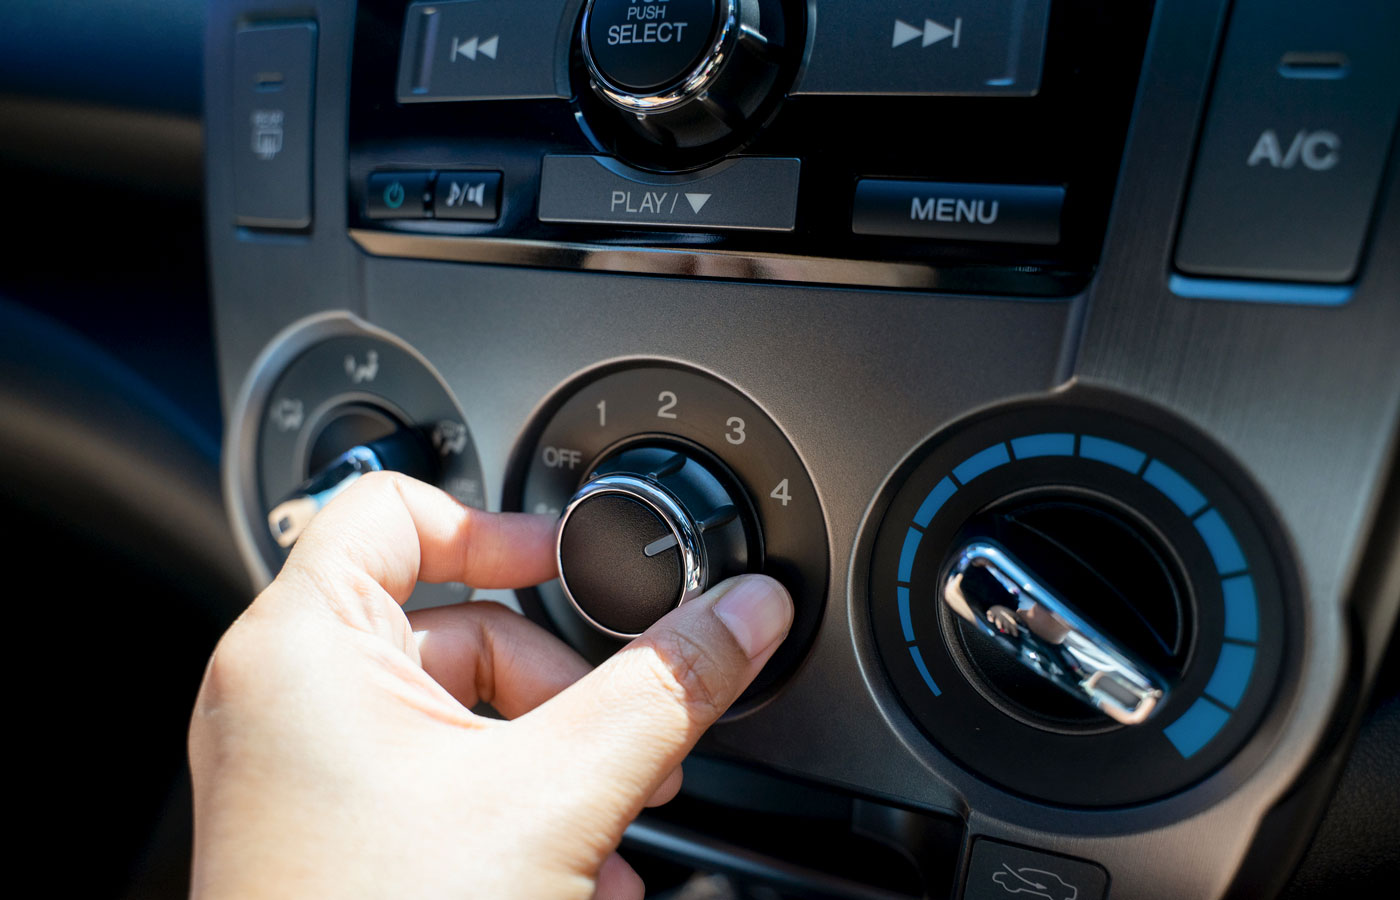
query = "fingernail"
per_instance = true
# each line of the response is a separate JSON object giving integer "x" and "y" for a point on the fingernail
{"x": 757, "y": 611}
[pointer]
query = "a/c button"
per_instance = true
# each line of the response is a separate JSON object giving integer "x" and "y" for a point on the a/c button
{"x": 1005, "y": 213}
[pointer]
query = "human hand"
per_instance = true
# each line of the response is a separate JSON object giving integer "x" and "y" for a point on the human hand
{"x": 334, "y": 753}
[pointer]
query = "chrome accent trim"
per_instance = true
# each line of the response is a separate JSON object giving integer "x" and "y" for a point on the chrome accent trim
{"x": 695, "y": 83}
{"x": 705, "y": 851}
{"x": 990, "y": 589}
{"x": 692, "y": 262}
{"x": 694, "y": 564}
{"x": 289, "y": 518}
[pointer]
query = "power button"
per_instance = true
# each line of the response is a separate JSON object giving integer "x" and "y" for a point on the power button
{"x": 397, "y": 195}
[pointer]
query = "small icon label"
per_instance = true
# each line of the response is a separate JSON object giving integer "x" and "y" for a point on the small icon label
{"x": 1316, "y": 150}
{"x": 1034, "y": 883}
{"x": 267, "y": 133}
{"x": 463, "y": 489}
{"x": 697, "y": 201}
{"x": 473, "y": 46}
{"x": 460, "y": 193}
{"x": 449, "y": 438}
{"x": 932, "y": 33}
{"x": 288, "y": 414}
{"x": 647, "y": 12}
{"x": 394, "y": 195}
{"x": 561, "y": 458}
{"x": 359, "y": 373}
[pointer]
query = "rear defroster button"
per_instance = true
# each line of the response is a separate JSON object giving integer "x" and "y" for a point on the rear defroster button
{"x": 1004, "y": 213}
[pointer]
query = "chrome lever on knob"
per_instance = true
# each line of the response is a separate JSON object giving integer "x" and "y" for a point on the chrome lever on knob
{"x": 994, "y": 592}
{"x": 402, "y": 451}
{"x": 289, "y": 519}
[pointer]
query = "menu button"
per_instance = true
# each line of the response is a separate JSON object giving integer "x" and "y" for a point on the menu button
{"x": 1006, "y": 213}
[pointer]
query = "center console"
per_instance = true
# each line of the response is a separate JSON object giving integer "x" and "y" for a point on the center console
{"x": 1042, "y": 348}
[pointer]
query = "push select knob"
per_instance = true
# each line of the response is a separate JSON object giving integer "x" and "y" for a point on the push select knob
{"x": 684, "y": 73}
{"x": 651, "y": 528}
{"x": 644, "y": 47}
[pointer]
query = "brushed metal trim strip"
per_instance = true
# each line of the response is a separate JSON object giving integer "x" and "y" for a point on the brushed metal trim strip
{"x": 706, "y": 852}
{"x": 666, "y": 261}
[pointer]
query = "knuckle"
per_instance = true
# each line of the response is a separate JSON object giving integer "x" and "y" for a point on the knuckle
{"x": 692, "y": 674}
{"x": 483, "y": 554}
{"x": 264, "y": 650}
{"x": 370, "y": 496}
{"x": 366, "y": 530}
{"x": 492, "y": 613}
{"x": 360, "y": 601}
{"x": 382, "y": 480}
{"x": 240, "y": 662}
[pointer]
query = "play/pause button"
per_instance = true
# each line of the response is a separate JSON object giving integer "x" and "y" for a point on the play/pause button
{"x": 752, "y": 192}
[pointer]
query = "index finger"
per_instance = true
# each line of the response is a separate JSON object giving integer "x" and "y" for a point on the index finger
{"x": 398, "y": 531}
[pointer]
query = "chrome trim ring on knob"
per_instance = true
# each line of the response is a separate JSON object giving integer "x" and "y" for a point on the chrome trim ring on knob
{"x": 692, "y": 85}
{"x": 684, "y": 530}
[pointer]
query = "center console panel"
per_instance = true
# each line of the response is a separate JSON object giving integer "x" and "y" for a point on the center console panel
{"x": 940, "y": 313}
{"x": 977, "y": 155}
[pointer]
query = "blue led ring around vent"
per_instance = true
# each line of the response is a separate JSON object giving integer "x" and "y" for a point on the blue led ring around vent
{"x": 1203, "y": 720}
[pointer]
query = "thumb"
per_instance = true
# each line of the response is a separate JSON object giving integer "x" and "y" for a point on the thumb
{"x": 620, "y": 730}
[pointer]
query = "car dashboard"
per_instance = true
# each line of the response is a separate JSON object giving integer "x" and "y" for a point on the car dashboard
{"x": 1043, "y": 349}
